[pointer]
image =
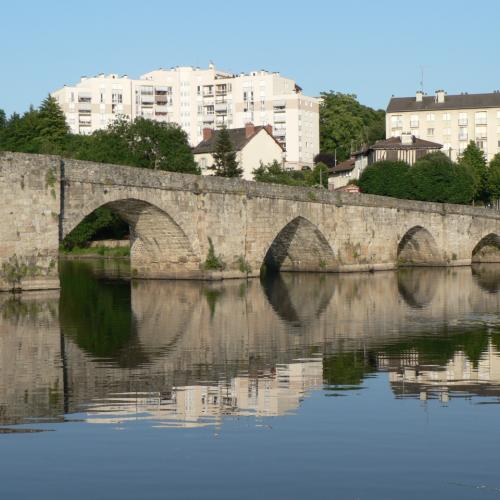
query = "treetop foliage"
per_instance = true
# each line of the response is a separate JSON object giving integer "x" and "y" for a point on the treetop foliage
{"x": 345, "y": 124}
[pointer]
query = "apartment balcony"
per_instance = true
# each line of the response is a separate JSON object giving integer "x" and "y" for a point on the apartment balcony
{"x": 84, "y": 98}
{"x": 481, "y": 121}
{"x": 279, "y": 133}
{"x": 208, "y": 119}
{"x": 147, "y": 100}
{"x": 463, "y": 122}
{"x": 279, "y": 118}
{"x": 481, "y": 137}
{"x": 84, "y": 108}
{"x": 220, "y": 107}
{"x": 86, "y": 123}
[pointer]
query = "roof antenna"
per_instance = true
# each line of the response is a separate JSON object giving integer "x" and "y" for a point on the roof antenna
{"x": 422, "y": 79}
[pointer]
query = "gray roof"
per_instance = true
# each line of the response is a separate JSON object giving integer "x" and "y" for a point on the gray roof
{"x": 460, "y": 101}
{"x": 238, "y": 139}
{"x": 395, "y": 143}
{"x": 344, "y": 166}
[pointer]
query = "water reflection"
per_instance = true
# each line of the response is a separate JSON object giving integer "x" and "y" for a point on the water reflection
{"x": 191, "y": 354}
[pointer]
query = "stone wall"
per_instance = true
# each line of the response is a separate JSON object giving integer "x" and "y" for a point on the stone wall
{"x": 29, "y": 221}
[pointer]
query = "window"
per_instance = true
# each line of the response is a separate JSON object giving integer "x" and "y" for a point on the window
{"x": 396, "y": 121}
{"x": 481, "y": 132}
{"x": 431, "y": 117}
{"x": 447, "y": 131}
{"x": 414, "y": 121}
{"x": 462, "y": 119}
{"x": 463, "y": 134}
{"x": 446, "y": 117}
{"x": 430, "y": 131}
{"x": 481, "y": 118}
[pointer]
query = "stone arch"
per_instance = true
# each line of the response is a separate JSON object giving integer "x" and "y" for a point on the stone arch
{"x": 418, "y": 248}
{"x": 159, "y": 248}
{"x": 487, "y": 250}
{"x": 300, "y": 246}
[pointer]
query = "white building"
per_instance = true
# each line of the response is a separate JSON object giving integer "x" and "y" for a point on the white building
{"x": 253, "y": 146}
{"x": 200, "y": 98}
{"x": 451, "y": 120}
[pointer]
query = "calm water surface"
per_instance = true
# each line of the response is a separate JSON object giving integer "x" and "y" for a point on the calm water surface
{"x": 303, "y": 386}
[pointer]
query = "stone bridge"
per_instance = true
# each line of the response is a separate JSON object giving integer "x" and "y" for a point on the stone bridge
{"x": 175, "y": 218}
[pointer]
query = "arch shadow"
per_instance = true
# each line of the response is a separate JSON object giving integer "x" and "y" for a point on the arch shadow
{"x": 418, "y": 248}
{"x": 487, "y": 250}
{"x": 300, "y": 246}
{"x": 159, "y": 248}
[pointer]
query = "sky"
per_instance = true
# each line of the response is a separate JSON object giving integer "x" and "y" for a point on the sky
{"x": 373, "y": 49}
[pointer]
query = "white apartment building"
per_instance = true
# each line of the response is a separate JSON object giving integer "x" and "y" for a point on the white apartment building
{"x": 200, "y": 98}
{"x": 451, "y": 120}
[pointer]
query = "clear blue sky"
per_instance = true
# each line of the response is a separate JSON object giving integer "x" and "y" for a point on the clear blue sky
{"x": 371, "y": 48}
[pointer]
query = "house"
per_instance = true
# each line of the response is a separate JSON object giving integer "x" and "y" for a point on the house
{"x": 406, "y": 147}
{"x": 253, "y": 145}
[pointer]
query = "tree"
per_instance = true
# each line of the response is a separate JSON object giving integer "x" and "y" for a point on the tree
{"x": 346, "y": 124}
{"x": 473, "y": 159}
{"x": 52, "y": 129}
{"x": 436, "y": 178}
{"x": 494, "y": 178}
{"x": 142, "y": 143}
{"x": 386, "y": 178}
{"x": 3, "y": 119}
{"x": 275, "y": 174}
{"x": 327, "y": 158}
{"x": 225, "y": 163}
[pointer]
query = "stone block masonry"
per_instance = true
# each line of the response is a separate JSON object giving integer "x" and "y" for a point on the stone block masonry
{"x": 173, "y": 216}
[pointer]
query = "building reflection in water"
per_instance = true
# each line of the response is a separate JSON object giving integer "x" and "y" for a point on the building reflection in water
{"x": 191, "y": 354}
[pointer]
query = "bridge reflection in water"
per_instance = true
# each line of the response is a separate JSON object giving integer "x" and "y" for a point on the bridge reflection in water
{"x": 190, "y": 354}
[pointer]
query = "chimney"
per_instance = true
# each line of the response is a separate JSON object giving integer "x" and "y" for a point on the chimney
{"x": 406, "y": 139}
{"x": 207, "y": 133}
{"x": 249, "y": 129}
{"x": 269, "y": 129}
{"x": 419, "y": 96}
{"x": 440, "y": 96}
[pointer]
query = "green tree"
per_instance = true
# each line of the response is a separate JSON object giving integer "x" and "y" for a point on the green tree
{"x": 225, "y": 163}
{"x": 274, "y": 173}
{"x": 386, "y": 178}
{"x": 52, "y": 129}
{"x": 473, "y": 159}
{"x": 142, "y": 143}
{"x": 436, "y": 178}
{"x": 345, "y": 124}
{"x": 494, "y": 178}
{"x": 3, "y": 119}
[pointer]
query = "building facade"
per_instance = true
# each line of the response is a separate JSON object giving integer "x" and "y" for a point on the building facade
{"x": 451, "y": 120}
{"x": 196, "y": 99}
{"x": 253, "y": 145}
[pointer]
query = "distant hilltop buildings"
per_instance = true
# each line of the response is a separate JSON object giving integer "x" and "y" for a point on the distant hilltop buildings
{"x": 199, "y": 99}
{"x": 451, "y": 120}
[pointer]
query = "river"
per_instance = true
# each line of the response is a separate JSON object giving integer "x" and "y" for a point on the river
{"x": 362, "y": 385}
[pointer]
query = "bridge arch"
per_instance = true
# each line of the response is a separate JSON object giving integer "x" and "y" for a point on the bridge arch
{"x": 487, "y": 250}
{"x": 159, "y": 247}
{"x": 300, "y": 246}
{"x": 418, "y": 247}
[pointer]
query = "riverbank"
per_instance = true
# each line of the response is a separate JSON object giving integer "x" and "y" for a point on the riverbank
{"x": 95, "y": 252}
